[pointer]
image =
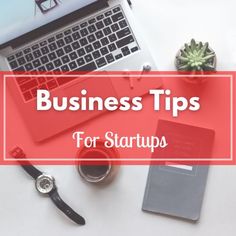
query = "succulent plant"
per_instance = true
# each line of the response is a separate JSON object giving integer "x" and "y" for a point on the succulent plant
{"x": 196, "y": 56}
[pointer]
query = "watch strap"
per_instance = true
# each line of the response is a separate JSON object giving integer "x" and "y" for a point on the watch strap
{"x": 32, "y": 171}
{"x": 67, "y": 210}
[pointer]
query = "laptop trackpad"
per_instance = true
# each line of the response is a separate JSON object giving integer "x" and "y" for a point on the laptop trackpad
{"x": 95, "y": 87}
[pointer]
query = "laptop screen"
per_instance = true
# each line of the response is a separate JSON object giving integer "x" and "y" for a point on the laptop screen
{"x": 18, "y": 17}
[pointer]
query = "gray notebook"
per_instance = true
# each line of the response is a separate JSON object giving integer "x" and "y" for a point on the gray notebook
{"x": 178, "y": 189}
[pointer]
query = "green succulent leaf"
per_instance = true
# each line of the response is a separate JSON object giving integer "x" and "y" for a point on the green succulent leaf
{"x": 209, "y": 56}
{"x": 203, "y": 49}
{"x": 193, "y": 45}
{"x": 187, "y": 48}
{"x": 199, "y": 46}
{"x": 183, "y": 53}
{"x": 184, "y": 59}
{"x": 184, "y": 67}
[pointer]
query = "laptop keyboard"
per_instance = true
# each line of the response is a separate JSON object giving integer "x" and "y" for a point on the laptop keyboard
{"x": 87, "y": 46}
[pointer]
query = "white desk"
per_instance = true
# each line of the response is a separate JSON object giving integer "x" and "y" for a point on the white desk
{"x": 116, "y": 209}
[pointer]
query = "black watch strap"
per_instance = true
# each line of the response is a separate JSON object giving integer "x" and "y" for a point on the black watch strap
{"x": 32, "y": 171}
{"x": 67, "y": 210}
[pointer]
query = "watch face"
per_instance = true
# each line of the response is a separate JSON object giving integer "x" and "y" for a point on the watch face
{"x": 45, "y": 183}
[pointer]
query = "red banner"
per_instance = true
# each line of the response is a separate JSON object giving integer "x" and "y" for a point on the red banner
{"x": 123, "y": 117}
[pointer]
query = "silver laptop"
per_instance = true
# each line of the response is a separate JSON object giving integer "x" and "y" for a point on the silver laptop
{"x": 69, "y": 35}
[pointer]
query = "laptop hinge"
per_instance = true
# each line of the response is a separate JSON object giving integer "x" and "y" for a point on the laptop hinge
{"x": 56, "y": 24}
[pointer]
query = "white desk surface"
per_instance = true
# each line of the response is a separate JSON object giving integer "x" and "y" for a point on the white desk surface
{"x": 116, "y": 208}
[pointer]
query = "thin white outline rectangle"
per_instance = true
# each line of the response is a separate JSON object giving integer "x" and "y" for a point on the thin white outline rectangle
{"x": 121, "y": 159}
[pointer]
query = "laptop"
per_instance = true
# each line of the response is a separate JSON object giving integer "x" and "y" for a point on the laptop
{"x": 69, "y": 35}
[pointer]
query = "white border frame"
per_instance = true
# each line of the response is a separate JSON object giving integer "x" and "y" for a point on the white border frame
{"x": 121, "y": 159}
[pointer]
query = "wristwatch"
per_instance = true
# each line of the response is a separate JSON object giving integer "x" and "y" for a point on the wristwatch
{"x": 45, "y": 184}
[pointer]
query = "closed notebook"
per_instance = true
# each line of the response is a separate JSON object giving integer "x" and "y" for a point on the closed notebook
{"x": 177, "y": 189}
